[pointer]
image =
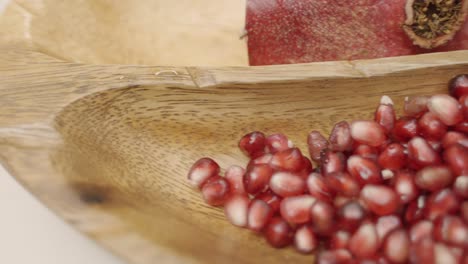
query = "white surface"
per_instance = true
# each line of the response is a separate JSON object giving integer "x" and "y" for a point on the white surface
{"x": 31, "y": 234}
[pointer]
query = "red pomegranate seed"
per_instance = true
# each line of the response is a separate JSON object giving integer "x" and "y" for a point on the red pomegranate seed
{"x": 440, "y": 203}
{"x": 350, "y": 215}
{"x": 332, "y": 162}
{"x": 450, "y": 229}
{"x": 405, "y": 187}
{"x": 435, "y": 145}
{"x": 215, "y": 191}
{"x": 458, "y": 85}
{"x": 364, "y": 242}
{"x": 457, "y": 253}
{"x": 433, "y": 178}
{"x": 305, "y": 240}
{"x": 421, "y": 230}
{"x": 421, "y": 154}
{"x": 464, "y": 211}
{"x": 339, "y": 239}
{"x": 367, "y": 152}
{"x": 385, "y": 224}
{"x": 446, "y": 108}
{"x": 453, "y": 137}
{"x": 393, "y": 157}
{"x": 456, "y": 156}
{"x": 422, "y": 251}
{"x": 385, "y": 114}
{"x": 364, "y": 170}
{"x": 253, "y": 144}
{"x": 278, "y": 142}
{"x": 296, "y": 209}
{"x": 415, "y": 210}
{"x": 236, "y": 208}
{"x": 318, "y": 187}
{"x": 368, "y": 132}
{"x": 430, "y": 127}
{"x": 278, "y": 233}
{"x": 201, "y": 170}
{"x": 271, "y": 199}
{"x": 340, "y": 137}
{"x": 257, "y": 177}
{"x": 235, "y": 176}
{"x": 396, "y": 246}
{"x": 461, "y": 127}
{"x": 415, "y": 106}
{"x": 287, "y": 184}
{"x": 380, "y": 199}
{"x": 443, "y": 254}
{"x": 343, "y": 183}
{"x": 288, "y": 160}
{"x": 264, "y": 159}
{"x": 316, "y": 143}
{"x": 337, "y": 256}
{"x": 460, "y": 186}
{"x": 341, "y": 200}
{"x": 307, "y": 170}
{"x": 258, "y": 215}
{"x": 322, "y": 216}
{"x": 463, "y": 101}
{"x": 405, "y": 129}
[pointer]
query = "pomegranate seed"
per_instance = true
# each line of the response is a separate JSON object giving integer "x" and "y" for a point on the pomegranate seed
{"x": 339, "y": 239}
{"x": 340, "y": 137}
{"x": 307, "y": 170}
{"x": 278, "y": 233}
{"x": 461, "y": 127}
{"x": 451, "y": 229}
{"x": 305, "y": 240}
{"x": 256, "y": 178}
{"x": 463, "y": 101}
{"x": 322, "y": 216}
{"x": 433, "y": 178}
{"x": 343, "y": 183}
{"x": 215, "y": 191}
{"x": 456, "y": 156}
{"x": 278, "y": 142}
{"x": 235, "y": 176}
{"x": 287, "y": 184}
{"x": 258, "y": 215}
{"x": 236, "y": 208}
{"x": 405, "y": 187}
{"x": 368, "y": 132}
{"x": 367, "y": 152}
{"x": 446, "y": 108}
{"x": 443, "y": 254}
{"x": 264, "y": 159}
{"x": 421, "y": 230}
{"x": 288, "y": 160}
{"x": 364, "y": 170}
{"x": 296, "y": 209}
{"x": 453, "y": 137}
{"x": 350, "y": 215}
{"x": 464, "y": 211}
{"x": 380, "y": 199}
{"x": 430, "y": 127}
{"x": 435, "y": 145}
{"x": 341, "y": 200}
{"x": 271, "y": 199}
{"x": 457, "y": 253}
{"x": 385, "y": 114}
{"x": 393, "y": 157}
{"x": 316, "y": 143}
{"x": 396, "y": 246}
{"x": 385, "y": 224}
{"x": 332, "y": 162}
{"x": 415, "y": 210}
{"x": 318, "y": 187}
{"x": 405, "y": 129}
{"x": 253, "y": 144}
{"x": 422, "y": 252}
{"x": 201, "y": 170}
{"x": 337, "y": 256}
{"x": 420, "y": 153}
{"x": 364, "y": 242}
{"x": 460, "y": 186}
{"x": 458, "y": 85}
{"x": 440, "y": 203}
{"x": 415, "y": 106}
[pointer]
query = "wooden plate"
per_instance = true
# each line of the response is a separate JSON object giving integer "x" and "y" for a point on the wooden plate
{"x": 107, "y": 146}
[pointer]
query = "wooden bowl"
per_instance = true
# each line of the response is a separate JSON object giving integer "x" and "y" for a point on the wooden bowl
{"x": 107, "y": 147}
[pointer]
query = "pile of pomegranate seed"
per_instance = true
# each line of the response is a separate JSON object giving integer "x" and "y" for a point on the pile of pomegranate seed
{"x": 384, "y": 191}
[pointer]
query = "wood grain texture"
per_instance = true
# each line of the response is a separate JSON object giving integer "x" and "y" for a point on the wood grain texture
{"x": 107, "y": 147}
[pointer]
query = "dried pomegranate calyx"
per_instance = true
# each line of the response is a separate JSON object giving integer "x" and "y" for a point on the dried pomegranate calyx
{"x": 432, "y": 23}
